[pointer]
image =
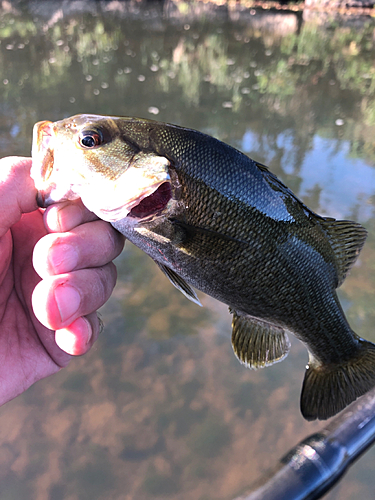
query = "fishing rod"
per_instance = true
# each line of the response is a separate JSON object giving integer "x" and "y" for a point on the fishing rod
{"x": 312, "y": 467}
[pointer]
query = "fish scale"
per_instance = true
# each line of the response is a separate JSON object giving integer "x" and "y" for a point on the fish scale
{"x": 224, "y": 224}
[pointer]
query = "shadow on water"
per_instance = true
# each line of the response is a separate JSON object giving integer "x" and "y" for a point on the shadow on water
{"x": 160, "y": 408}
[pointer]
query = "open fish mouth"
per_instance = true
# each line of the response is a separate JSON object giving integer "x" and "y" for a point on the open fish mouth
{"x": 147, "y": 207}
{"x": 154, "y": 203}
{"x": 142, "y": 207}
{"x": 137, "y": 193}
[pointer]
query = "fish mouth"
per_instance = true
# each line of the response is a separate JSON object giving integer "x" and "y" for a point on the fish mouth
{"x": 154, "y": 203}
{"x": 43, "y": 161}
{"x": 43, "y": 149}
{"x": 150, "y": 203}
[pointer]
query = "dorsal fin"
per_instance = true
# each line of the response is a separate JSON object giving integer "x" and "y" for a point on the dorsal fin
{"x": 347, "y": 239}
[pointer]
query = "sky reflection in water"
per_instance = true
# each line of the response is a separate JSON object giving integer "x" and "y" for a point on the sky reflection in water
{"x": 343, "y": 182}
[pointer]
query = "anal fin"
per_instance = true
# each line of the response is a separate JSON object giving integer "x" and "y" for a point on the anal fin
{"x": 257, "y": 343}
{"x": 180, "y": 283}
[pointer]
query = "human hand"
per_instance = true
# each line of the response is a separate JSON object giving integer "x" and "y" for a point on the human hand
{"x": 44, "y": 322}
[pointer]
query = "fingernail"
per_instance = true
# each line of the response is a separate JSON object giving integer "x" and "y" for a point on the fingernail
{"x": 75, "y": 338}
{"x": 63, "y": 258}
{"x": 68, "y": 301}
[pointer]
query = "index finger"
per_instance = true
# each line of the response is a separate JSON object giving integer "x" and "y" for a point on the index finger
{"x": 65, "y": 216}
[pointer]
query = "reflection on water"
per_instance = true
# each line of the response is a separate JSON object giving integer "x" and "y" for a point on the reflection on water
{"x": 161, "y": 408}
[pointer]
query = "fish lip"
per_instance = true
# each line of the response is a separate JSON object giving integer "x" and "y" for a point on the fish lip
{"x": 44, "y": 139}
{"x": 43, "y": 160}
{"x": 44, "y": 199}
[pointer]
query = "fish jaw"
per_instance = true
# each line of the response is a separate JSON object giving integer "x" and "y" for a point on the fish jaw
{"x": 42, "y": 160}
{"x": 44, "y": 171}
{"x": 119, "y": 197}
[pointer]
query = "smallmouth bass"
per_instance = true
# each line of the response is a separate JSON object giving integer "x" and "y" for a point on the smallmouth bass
{"x": 213, "y": 219}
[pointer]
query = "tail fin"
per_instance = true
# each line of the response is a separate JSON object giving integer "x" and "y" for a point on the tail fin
{"x": 328, "y": 389}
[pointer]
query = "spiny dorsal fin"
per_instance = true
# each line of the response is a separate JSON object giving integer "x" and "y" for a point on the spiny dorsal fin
{"x": 180, "y": 284}
{"x": 347, "y": 239}
{"x": 257, "y": 343}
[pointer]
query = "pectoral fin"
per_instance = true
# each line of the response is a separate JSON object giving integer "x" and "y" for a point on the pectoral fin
{"x": 191, "y": 232}
{"x": 257, "y": 343}
{"x": 180, "y": 284}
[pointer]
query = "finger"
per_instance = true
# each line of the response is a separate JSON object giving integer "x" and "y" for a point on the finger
{"x": 78, "y": 338}
{"x": 89, "y": 245}
{"x": 59, "y": 300}
{"x": 17, "y": 191}
{"x": 61, "y": 217}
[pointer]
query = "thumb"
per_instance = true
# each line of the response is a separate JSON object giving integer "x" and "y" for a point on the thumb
{"x": 17, "y": 191}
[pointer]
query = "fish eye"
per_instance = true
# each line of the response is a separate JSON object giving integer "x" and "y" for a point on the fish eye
{"x": 91, "y": 139}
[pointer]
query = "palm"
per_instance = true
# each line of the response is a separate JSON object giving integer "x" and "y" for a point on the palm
{"x": 27, "y": 348}
{"x": 33, "y": 323}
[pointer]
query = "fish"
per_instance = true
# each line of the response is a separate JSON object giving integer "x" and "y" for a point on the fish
{"x": 217, "y": 221}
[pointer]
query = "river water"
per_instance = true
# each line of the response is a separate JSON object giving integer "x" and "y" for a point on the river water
{"x": 160, "y": 408}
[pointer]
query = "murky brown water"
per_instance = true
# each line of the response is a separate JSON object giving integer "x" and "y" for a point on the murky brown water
{"x": 160, "y": 408}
